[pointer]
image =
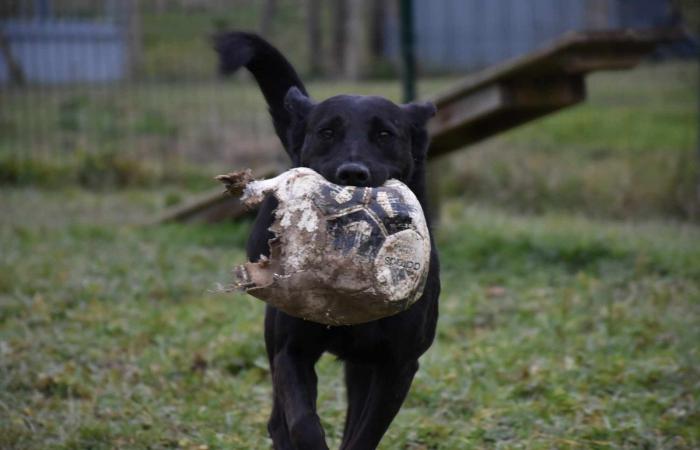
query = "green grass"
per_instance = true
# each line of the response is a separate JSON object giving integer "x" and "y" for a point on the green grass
{"x": 555, "y": 332}
{"x": 629, "y": 151}
{"x": 653, "y": 107}
{"x": 177, "y": 46}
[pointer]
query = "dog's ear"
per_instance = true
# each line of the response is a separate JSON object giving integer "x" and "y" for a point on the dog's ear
{"x": 297, "y": 104}
{"x": 419, "y": 113}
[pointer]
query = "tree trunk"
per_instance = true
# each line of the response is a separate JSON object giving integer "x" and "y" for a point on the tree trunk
{"x": 132, "y": 21}
{"x": 376, "y": 38}
{"x": 355, "y": 42}
{"x": 268, "y": 13}
{"x": 315, "y": 46}
{"x": 17, "y": 77}
{"x": 340, "y": 13}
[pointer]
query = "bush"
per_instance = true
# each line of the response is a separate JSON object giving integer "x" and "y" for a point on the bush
{"x": 97, "y": 171}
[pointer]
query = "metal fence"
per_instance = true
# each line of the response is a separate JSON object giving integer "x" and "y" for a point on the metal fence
{"x": 133, "y": 85}
{"x": 89, "y": 107}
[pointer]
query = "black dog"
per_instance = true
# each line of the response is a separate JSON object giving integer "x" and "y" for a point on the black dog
{"x": 350, "y": 140}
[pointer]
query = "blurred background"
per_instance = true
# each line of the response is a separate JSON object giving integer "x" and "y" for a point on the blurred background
{"x": 123, "y": 94}
{"x": 570, "y": 245}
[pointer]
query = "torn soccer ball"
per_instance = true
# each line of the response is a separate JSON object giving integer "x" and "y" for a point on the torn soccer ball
{"x": 340, "y": 255}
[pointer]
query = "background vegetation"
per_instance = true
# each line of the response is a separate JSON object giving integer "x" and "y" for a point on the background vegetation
{"x": 570, "y": 263}
{"x": 629, "y": 151}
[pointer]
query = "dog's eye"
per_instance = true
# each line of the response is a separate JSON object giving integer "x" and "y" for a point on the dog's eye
{"x": 326, "y": 134}
{"x": 385, "y": 135}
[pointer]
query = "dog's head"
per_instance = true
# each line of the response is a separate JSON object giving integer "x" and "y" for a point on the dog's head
{"x": 357, "y": 140}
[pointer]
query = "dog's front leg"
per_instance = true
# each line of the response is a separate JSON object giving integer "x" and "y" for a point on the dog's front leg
{"x": 388, "y": 387}
{"x": 294, "y": 380}
{"x": 358, "y": 380}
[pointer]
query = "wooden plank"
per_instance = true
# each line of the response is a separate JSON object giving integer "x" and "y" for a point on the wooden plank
{"x": 213, "y": 206}
{"x": 471, "y": 107}
{"x": 525, "y": 88}
{"x": 545, "y": 61}
{"x": 554, "y": 93}
{"x": 516, "y": 102}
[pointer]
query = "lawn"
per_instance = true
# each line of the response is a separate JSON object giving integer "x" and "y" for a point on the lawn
{"x": 570, "y": 254}
{"x": 555, "y": 332}
{"x": 629, "y": 151}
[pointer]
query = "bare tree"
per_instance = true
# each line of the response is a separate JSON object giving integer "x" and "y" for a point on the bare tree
{"x": 340, "y": 12}
{"x": 9, "y": 8}
{"x": 268, "y": 13}
{"x": 355, "y": 40}
{"x": 132, "y": 21}
{"x": 313, "y": 18}
{"x": 376, "y": 29}
{"x": 16, "y": 72}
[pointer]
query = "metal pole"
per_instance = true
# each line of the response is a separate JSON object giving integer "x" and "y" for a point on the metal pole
{"x": 408, "y": 83}
{"x": 697, "y": 143}
{"x": 408, "y": 59}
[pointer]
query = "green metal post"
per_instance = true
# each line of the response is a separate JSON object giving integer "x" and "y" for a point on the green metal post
{"x": 408, "y": 82}
{"x": 408, "y": 59}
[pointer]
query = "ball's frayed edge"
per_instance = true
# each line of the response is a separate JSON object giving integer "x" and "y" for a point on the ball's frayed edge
{"x": 236, "y": 182}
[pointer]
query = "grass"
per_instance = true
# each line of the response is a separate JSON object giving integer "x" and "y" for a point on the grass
{"x": 555, "y": 332}
{"x": 629, "y": 151}
{"x": 176, "y": 41}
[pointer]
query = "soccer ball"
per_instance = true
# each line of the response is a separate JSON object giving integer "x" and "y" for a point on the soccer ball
{"x": 340, "y": 255}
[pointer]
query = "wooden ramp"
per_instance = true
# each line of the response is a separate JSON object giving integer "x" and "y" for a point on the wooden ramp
{"x": 502, "y": 97}
{"x": 496, "y": 99}
{"x": 213, "y": 206}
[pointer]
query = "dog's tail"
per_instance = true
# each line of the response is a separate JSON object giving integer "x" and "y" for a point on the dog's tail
{"x": 274, "y": 74}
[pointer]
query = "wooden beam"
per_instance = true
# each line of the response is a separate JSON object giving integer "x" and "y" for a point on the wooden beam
{"x": 213, "y": 206}
{"x": 522, "y": 89}
{"x": 499, "y": 107}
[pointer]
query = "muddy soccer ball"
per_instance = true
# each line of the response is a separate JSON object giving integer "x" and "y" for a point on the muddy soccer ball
{"x": 341, "y": 255}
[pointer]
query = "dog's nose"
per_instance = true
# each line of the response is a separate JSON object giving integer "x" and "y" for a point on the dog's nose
{"x": 353, "y": 174}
